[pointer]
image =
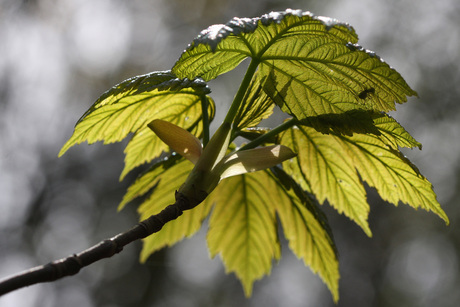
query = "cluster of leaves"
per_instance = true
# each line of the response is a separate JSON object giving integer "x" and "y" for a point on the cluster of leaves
{"x": 337, "y": 93}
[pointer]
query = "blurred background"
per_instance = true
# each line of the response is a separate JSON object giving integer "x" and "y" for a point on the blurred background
{"x": 57, "y": 57}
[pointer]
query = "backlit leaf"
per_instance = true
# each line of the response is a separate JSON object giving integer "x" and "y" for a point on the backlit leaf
{"x": 306, "y": 229}
{"x": 145, "y": 145}
{"x": 242, "y": 227}
{"x": 347, "y": 123}
{"x": 310, "y": 65}
{"x": 148, "y": 180}
{"x": 323, "y": 169}
{"x": 323, "y": 77}
{"x": 362, "y": 122}
{"x": 328, "y": 166}
{"x": 255, "y": 107}
{"x": 393, "y": 175}
{"x": 220, "y": 48}
{"x": 129, "y": 106}
{"x": 167, "y": 180}
{"x": 393, "y": 134}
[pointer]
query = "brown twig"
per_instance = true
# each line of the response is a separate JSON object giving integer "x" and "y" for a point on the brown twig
{"x": 71, "y": 265}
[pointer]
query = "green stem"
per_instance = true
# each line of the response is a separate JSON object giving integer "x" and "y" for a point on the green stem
{"x": 241, "y": 91}
{"x": 204, "y": 111}
{"x": 263, "y": 138}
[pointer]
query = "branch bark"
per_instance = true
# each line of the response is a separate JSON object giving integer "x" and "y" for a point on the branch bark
{"x": 72, "y": 264}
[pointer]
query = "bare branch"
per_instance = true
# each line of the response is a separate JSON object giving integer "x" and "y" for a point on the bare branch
{"x": 105, "y": 249}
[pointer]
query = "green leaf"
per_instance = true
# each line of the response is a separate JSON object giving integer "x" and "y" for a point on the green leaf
{"x": 130, "y": 105}
{"x": 307, "y": 230}
{"x": 310, "y": 65}
{"x": 145, "y": 145}
{"x": 323, "y": 169}
{"x": 242, "y": 227}
{"x": 323, "y": 77}
{"x": 220, "y": 48}
{"x": 256, "y": 106}
{"x": 347, "y": 123}
{"x": 393, "y": 134}
{"x": 363, "y": 122}
{"x": 328, "y": 166}
{"x": 166, "y": 179}
{"x": 393, "y": 175}
{"x": 149, "y": 179}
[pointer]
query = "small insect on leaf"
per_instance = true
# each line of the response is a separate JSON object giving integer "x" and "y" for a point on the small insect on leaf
{"x": 364, "y": 94}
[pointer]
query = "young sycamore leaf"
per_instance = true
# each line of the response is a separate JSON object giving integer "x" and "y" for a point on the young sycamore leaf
{"x": 129, "y": 106}
{"x": 256, "y": 106}
{"x": 162, "y": 181}
{"x": 322, "y": 169}
{"x": 211, "y": 167}
{"x": 149, "y": 179}
{"x": 363, "y": 122}
{"x": 313, "y": 69}
{"x": 310, "y": 65}
{"x": 243, "y": 229}
{"x": 328, "y": 167}
{"x": 306, "y": 228}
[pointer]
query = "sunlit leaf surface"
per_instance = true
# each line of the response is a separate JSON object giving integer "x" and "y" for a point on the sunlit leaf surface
{"x": 149, "y": 179}
{"x": 337, "y": 92}
{"x": 307, "y": 230}
{"x": 131, "y": 105}
{"x": 310, "y": 65}
{"x": 166, "y": 179}
{"x": 256, "y": 106}
{"x": 243, "y": 229}
{"x": 323, "y": 169}
{"x": 363, "y": 122}
{"x": 332, "y": 167}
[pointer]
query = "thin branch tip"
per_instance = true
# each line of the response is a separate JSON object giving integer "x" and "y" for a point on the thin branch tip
{"x": 107, "y": 248}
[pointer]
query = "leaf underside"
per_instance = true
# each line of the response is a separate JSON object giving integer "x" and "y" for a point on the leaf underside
{"x": 166, "y": 180}
{"x": 243, "y": 229}
{"x": 129, "y": 106}
{"x": 338, "y": 93}
{"x": 256, "y": 106}
{"x": 332, "y": 167}
{"x": 310, "y": 65}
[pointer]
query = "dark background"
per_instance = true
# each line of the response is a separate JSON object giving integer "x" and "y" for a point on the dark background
{"x": 57, "y": 57}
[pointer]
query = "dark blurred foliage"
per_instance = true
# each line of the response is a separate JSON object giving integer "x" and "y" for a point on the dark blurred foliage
{"x": 57, "y": 57}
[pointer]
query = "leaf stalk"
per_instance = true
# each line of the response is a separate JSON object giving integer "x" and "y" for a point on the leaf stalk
{"x": 267, "y": 136}
{"x": 205, "y": 119}
{"x": 241, "y": 91}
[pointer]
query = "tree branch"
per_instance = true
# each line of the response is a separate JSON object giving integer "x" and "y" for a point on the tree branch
{"x": 105, "y": 249}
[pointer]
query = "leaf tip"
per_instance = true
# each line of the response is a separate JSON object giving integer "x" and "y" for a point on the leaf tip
{"x": 62, "y": 152}
{"x": 64, "y": 148}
